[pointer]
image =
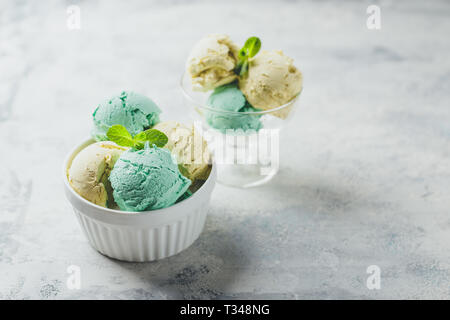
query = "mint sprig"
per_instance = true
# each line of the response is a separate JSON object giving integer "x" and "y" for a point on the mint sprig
{"x": 120, "y": 135}
{"x": 249, "y": 50}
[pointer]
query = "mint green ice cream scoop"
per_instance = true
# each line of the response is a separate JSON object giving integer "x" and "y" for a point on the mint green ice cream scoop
{"x": 147, "y": 179}
{"x": 227, "y": 98}
{"x": 230, "y": 98}
{"x": 134, "y": 111}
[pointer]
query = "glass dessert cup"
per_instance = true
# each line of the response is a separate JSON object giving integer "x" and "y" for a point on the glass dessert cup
{"x": 245, "y": 145}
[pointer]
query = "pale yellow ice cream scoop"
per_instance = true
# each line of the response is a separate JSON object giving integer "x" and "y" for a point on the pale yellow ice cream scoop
{"x": 272, "y": 81}
{"x": 189, "y": 147}
{"x": 90, "y": 169}
{"x": 212, "y": 61}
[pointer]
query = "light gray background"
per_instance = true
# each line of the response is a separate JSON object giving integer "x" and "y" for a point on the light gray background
{"x": 365, "y": 176}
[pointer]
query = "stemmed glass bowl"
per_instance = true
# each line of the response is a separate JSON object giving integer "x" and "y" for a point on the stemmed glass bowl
{"x": 245, "y": 145}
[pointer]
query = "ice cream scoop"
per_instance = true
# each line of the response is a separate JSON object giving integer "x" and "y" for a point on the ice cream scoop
{"x": 147, "y": 179}
{"x": 245, "y": 122}
{"x": 132, "y": 110}
{"x": 212, "y": 61}
{"x": 227, "y": 98}
{"x": 90, "y": 169}
{"x": 189, "y": 148}
{"x": 230, "y": 98}
{"x": 272, "y": 81}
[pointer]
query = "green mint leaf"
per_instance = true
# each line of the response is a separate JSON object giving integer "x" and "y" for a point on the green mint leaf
{"x": 244, "y": 68}
{"x": 249, "y": 50}
{"x": 153, "y": 136}
{"x": 252, "y": 45}
{"x": 243, "y": 53}
{"x": 138, "y": 145}
{"x": 140, "y": 137}
{"x": 120, "y": 135}
{"x": 237, "y": 69}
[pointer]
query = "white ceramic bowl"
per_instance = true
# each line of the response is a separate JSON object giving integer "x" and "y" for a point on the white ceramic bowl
{"x": 140, "y": 236}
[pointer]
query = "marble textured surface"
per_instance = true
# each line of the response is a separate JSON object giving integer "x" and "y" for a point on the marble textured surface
{"x": 365, "y": 172}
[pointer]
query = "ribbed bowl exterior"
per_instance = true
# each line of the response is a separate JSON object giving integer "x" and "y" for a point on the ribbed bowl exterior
{"x": 141, "y": 236}
{"x": 131, "y": 243}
